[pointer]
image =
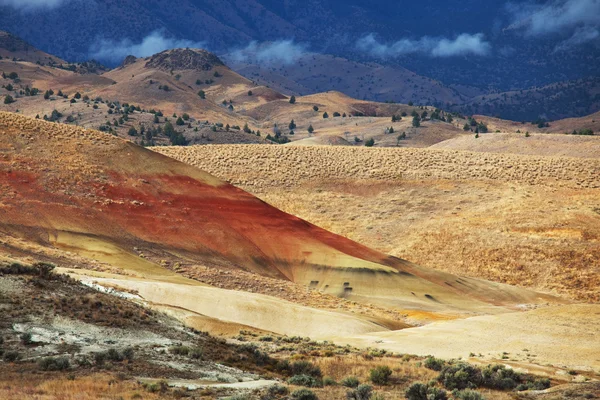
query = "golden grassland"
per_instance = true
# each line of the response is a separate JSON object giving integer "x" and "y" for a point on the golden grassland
{"x": 524, "y": 220}
{"x": 98, "y": 386}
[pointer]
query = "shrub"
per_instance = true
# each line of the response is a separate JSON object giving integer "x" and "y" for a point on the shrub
{"x": 277, "y": 390}
{"x": 292, "y": 99}
{"x": 8, "y": 99}
{"x": 434, "y": 393}
{"x": 536, "y": 384}
{"x": 467, "y": 394}
{"x": 460, "y": 376}
{"x": 416, "y": 391}
{"x": 370, "y": 142}
{"x": 25, "y": 338}
{"x": 114, "y": 355}
{"x": 54, "y": 364}
{"x": 381, "y": 375}
{"x": 421, "y": 391}
{"x": 362, "y": 392}
{"x": 304, "y": 394}
{"x": 128, "y": 353}
{"x": 304, "y": 380}
{"x": 305, "y": 368}
{"x": 196, "y": 353}
{"x": 249, "y": 92}
{"x": 11, "y": 356}
{"x": 329, "y": 381}
{"x": 434, "y": 364}
{"x": 179, "y": 350}
{"x": 350, "y": 381}
{"x": 499, "y": 377}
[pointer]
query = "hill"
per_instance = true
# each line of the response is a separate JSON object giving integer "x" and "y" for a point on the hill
{"x": 536, "y": 144}
{"x": 498, "y": 216}
{"x": 100, "y": 192}
{"x": 213, "y": 104}
{"x": 313, "y": 73}
{"x": 12, "y": 46}
{"x": 553, "y": 101}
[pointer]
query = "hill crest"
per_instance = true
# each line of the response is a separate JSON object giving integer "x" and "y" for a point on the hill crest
{"x": 184, "y": 59}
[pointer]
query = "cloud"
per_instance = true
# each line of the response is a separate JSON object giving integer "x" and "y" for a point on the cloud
{"x": 580, "y": 36}
{"x": 463, "y": 44}
{"x": 278, "y": 52}
{"x": 32, "y": 5}
{"x": 579, "y": 20}
{"x": 115, "y": 51}
{"x": 556, "y": 16}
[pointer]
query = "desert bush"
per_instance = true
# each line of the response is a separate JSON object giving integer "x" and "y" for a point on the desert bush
{"x": 304, "y": 394}
{"x": 381, "y": 375}
{"x": 179, "y": 350}
{"x": 11, "y": 356}
{"x": 329, "y": 381}
{"x": 350, "y": 381}
{"x": 156, "y": 387}
{"x": 467, "y": 394}
{"x": 304, "y": 380}
{"x": 8, "y": 99}
{"x": 460, "y": 376}
{"x": 54, "y": 364}
{"x": 305, "y": 368}
{"x": 433, "y": 363}
{"x": 421, "y": 391}
{"x": 362, "y": 392}
{"x": 499, "y": 377}
{"x": 25, "y": 338}
{"x": 536, "y": 384}
{"x": 277, "y": 390}
{"x": 196, "y": 353}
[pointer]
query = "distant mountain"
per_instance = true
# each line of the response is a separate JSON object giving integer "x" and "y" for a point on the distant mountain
{"x": 326, "y": 26}
{"x": 314, "y": 72}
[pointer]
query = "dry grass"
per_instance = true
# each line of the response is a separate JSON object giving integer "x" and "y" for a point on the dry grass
{"x": 524, "y": 220}
{"x": 98, "y": 386}
{"x": 535, "y": 144}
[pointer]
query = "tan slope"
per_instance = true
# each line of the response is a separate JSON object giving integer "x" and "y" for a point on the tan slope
{"x": 59, "y": 179}
{"x": 255, "y": 310}
{"x": 185, "y": 72}
{"x": 536, "y": 144}
{"x": 561, "y": 126}
{"x": 563, "y": 336}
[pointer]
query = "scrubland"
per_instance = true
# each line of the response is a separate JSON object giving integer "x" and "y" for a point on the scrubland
{"x": 531, "y": 221}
